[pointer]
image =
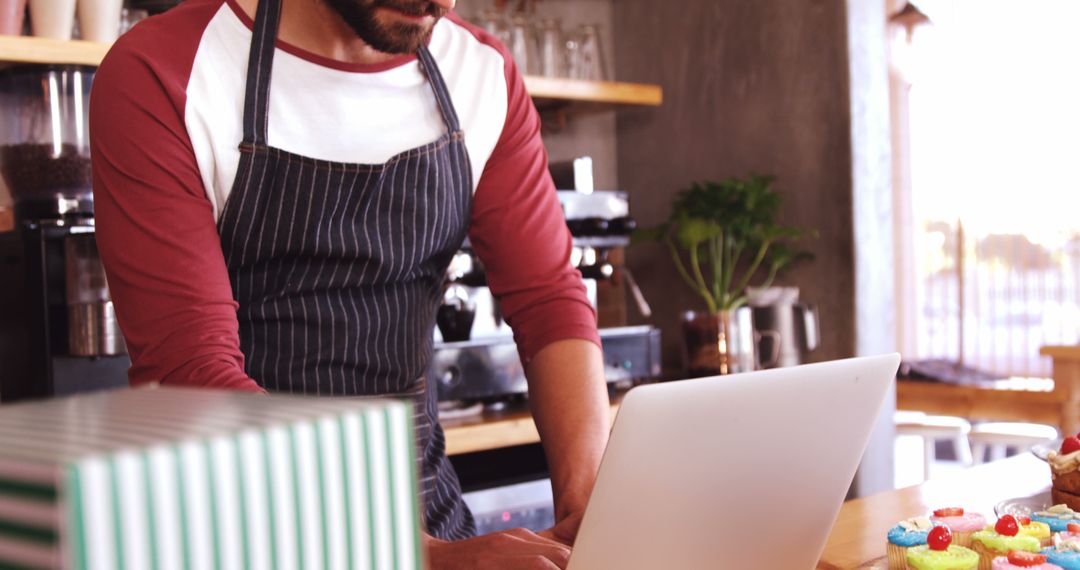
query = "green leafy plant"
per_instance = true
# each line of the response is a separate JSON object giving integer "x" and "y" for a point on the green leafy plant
{"x": 721, "y": 234}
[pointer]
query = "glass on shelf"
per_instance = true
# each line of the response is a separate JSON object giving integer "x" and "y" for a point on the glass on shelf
{"x": 523, "y": 46}
{"x": 586, "y": 54}
{"x": 552, "y": 49}
{"x": 494, "y": 22}
{"x": 129, "y": 17}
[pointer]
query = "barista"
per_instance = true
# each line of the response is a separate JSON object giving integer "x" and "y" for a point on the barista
{"x": 279, "y": 216}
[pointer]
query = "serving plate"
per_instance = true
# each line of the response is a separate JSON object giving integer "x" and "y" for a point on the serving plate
{"x": 1041, "y": 450}
{"x": 1024, "y": 506}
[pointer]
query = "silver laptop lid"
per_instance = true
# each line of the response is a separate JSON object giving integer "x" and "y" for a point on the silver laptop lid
{"x": 740, "y": 471}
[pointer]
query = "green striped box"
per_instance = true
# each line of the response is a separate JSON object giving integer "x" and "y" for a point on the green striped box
{"x": 183, "y": 479}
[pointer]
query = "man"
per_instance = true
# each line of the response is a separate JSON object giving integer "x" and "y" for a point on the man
{"x": 280, "y": 219}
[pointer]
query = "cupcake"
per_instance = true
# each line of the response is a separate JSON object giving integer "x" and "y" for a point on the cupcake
{"x": 910, "y": 532}
{"x": 1071, "y": 533}
{"x": 1065, "y": 473}
{"x": 960, "y": 523}
{"x": 1000, "y": 539}
{"x": 1039, "y": 530}
{"x": 1065, "y": 552}
{"x": 1019, "y": 559}
{"x": 940, "y": 554}
{"x": 1057, "y": 517}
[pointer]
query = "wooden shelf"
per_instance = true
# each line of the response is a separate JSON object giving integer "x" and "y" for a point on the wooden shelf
{"x": 24, "y": 49}
{"x": 548, "y": 93}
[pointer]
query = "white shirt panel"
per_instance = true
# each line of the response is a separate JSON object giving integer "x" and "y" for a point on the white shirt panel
{"x": 341, "y": 116}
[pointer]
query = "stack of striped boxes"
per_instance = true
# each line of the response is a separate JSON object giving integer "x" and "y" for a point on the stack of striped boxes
{"x": 200, "y": 479}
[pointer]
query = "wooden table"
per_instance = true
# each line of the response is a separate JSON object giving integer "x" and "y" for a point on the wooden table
{"x": 858, "y": 537}
{"x": 1056, "y": 403}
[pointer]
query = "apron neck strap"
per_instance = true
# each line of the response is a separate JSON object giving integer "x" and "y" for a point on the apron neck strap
{"x": 261, "y": 63}
{"x": 438, "y": 85}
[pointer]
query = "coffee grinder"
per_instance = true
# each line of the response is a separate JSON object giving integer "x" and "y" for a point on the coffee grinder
{"x": 58, "y": 331}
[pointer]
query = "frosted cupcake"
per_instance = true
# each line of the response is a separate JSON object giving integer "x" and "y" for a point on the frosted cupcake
{"x": 1000, "y": 539}
{"x": 910, "y": 532}
{"x": 940, "y": 554}
{"x": 961, "y": 524}
{"x": 1065, "y": 473}
{"x": 1072, "y": 533}
{"x": 1057, "y": 517}
{"x": 1020, "y": 560}
{"x": 1065, "y": 552}
{"x": 1036, "y": 529}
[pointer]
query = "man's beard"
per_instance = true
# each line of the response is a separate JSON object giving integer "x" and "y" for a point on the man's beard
{"x": 395, "y": 38}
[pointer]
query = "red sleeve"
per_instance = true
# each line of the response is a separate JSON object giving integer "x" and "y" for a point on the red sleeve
{"x": 155, "y": 225}
{"x": 519, "y": 231}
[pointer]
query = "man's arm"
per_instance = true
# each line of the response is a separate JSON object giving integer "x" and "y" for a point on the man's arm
{"x": 155, "y": 225}
{"x": 519, "y": 231}
{"x": 569, "y": 401}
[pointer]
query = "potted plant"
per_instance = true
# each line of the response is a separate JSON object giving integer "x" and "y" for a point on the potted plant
{"x": 723, "y": 237}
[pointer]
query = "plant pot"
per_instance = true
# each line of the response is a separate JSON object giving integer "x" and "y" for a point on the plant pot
{"x": 12, "y": 13}
{"x": 719, "y": 343}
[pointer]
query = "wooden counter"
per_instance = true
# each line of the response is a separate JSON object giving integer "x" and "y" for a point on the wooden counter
{"x": 1028, "y": 400}
{"x": 496, "y": 429}
{"x": 858, "y": 537}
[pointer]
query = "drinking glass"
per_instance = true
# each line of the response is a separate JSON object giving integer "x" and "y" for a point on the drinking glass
{"x": 523, "y": 45}
{"x": 493, "y": 21}
{"x": 591, "y": 54}
{"x": 552, "y": 58}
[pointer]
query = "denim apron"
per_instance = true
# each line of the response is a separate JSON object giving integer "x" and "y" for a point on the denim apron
{"x": 338, "y": 268}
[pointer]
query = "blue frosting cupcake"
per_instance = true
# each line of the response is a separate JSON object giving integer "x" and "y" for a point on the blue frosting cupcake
{"x": 1067, "y": 559}
{"x": 1058, "y": 517}
{"x": 907, "y": 538}
{"x": 909, "y": 533}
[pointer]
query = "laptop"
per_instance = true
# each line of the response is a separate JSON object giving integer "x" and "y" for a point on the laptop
{"x": 740, "y": 471}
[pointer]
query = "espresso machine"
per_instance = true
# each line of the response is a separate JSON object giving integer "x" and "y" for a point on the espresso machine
{"x": 58, "y": 331}
{"x": 475, "y": 358}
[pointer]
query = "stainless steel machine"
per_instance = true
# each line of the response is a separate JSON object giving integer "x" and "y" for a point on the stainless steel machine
{"x": 58, "y": 332}
{"x": 786, "y": 328}
{"x": 475, "y": 357}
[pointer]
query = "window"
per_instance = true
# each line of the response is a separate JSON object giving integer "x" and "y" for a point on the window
{"x": 988, "y": 198}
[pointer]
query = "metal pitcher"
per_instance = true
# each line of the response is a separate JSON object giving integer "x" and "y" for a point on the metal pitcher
{"x": 788, "y": 330}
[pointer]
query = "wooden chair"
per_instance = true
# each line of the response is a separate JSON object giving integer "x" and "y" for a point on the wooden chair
{"x": 997, "y": 437}
{"x": 933, "y": 429}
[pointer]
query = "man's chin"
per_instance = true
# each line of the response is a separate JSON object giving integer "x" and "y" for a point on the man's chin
{"x": 400, "y": 37}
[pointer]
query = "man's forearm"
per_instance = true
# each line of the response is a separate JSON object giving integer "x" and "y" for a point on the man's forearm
{"x": 569, "y": 401}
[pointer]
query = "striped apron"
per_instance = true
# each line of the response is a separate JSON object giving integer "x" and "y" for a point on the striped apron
{"x": 338, "y": 268}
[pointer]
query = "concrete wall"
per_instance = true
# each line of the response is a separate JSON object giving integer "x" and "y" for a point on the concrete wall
{"x": 749, "y": 86}
{"x": 774, "y": 87}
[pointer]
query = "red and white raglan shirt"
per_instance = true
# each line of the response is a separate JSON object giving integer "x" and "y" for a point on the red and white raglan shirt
{"x": 166, "y": 122}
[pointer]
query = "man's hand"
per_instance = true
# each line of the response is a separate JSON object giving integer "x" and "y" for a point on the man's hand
{"x": 565, "y": 531}
{"x": 516, "y": 549}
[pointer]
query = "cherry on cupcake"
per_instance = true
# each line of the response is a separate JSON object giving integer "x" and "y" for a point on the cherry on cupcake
{"x": 1070, "y": 445}
{"x": 940, "y": 538}
{"x": 1007, "y": 526}
{"x": 949, "y": 512}
{"x": 1022, "y": 558}
{"x": 1073, "y": 528}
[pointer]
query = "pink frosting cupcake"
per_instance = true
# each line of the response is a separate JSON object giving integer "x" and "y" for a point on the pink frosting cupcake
{"x": 1022, "y": 561}
{"x": 961, "y": 523}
